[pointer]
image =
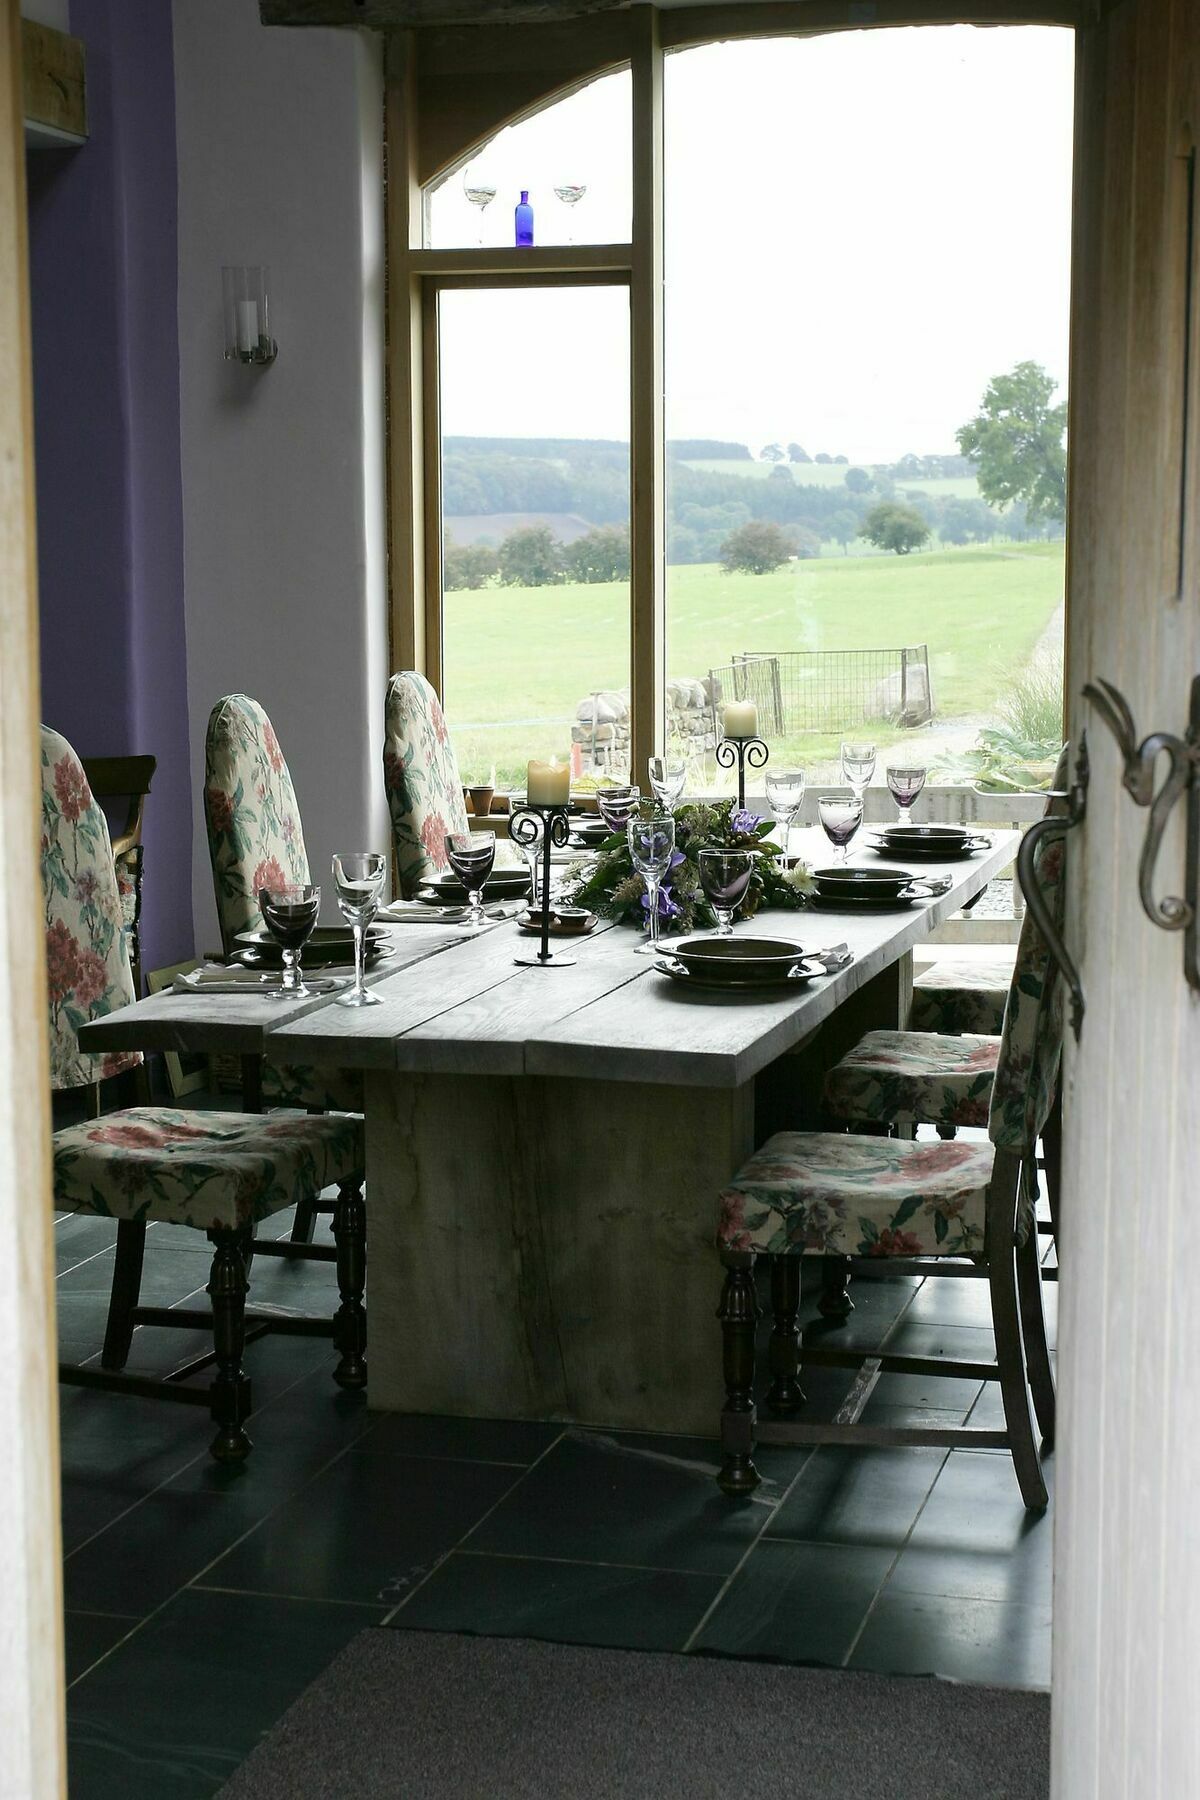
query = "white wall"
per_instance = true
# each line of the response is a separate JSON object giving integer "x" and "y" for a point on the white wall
{"x": 279, "y": 137}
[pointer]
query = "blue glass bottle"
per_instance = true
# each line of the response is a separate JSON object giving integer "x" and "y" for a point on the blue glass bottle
{"x": 524, "y": 220}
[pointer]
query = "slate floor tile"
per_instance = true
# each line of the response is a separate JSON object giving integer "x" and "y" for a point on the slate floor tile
{"x": 797, "y": 1602}
{"x": 975, "y": 1540}
{"x": 986, "y": 1641}
{"x": 576, "y": 1603}
{"x": 163, "y": 1543}
{"x": 89, "y": 1636}
{"x": 519, "y": 1441}
{"x": 852, "y": 1496}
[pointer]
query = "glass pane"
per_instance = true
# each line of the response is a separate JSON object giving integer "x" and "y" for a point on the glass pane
{"x": 573, "y": 160}
{"x": 535, "y": 486}
{"x": 896, "y": 206}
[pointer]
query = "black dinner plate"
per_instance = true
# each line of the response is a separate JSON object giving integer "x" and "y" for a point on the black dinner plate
{"x": 329, "y": 945}
{"x": 771, "y": 984}
{"x": 736, "y": 960}
{"x": 860, "y": 882}
{"x": 448, "y": 890}
{"x": 932, "y": 852}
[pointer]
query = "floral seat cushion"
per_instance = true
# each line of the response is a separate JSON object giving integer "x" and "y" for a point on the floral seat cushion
{"x": 211, "y": 1170}
{"x": 959, "y": 994}
{"x": 910, "y": 1078}
{"x": 821, "y": 1193}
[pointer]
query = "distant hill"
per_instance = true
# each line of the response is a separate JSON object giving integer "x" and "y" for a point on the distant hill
{"x": 493, "y": 528}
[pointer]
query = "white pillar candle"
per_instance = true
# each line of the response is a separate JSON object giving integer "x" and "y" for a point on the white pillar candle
{"x": 548, "y": 784}
{"x": 740, "y": 719}
{"x": 247, "y": 326}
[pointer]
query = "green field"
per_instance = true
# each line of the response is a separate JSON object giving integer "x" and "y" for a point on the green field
{"x": 518, "y": 660}
{"x": 832, "y": 475}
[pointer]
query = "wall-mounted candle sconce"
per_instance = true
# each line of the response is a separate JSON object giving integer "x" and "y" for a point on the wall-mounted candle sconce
{"x": 247, "y": 331}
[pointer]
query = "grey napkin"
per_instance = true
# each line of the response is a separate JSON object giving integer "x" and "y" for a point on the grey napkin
{"x": 234, "y": 980}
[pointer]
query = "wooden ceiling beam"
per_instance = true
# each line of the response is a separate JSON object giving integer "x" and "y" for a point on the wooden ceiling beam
{"x": 404, "y": 15}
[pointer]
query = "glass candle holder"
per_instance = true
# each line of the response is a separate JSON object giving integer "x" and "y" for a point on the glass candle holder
{"x": 247, "y": 328}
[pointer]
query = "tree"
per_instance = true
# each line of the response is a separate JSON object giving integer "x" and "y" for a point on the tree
{"x": 965, "y": 521}
{"x": 601, "y": 555}
{"x": 890, "y": 526}
{"x": 843, "y": 527}
{"x": 468, "y": 566}
{"x": 823, "y": 456}
{"x": 755, "y": 548}
{"x": 772, "y": 453}
{"x": 1016, "y": 443}
{"x": 531, "y": 557}
{"x": 841, "y": 459}
{"x": 781, "y": 472}
{"x": 798, "y": 454}
{"x": 858, "y": 481}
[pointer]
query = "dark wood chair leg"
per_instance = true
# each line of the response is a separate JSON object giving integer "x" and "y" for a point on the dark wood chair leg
{"x": 1006, "y": 1324}
{"x": 738, "y": 1313}
{"x": 350, "y": 1325}
{"x": 946, "y": 1131}
{"x": 126, "y": 1288}
{"x": 835, "y": 1301}
{"x": 231, "y": 1401}
{"x": 785, "y": 1394}
{"x": 1033, "y": 1327}
{"x": 305, "y": 1220}
{"x": 1052, "y": 1151}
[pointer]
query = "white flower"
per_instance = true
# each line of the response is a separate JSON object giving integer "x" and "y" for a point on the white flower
{"x": 800, "y": 877}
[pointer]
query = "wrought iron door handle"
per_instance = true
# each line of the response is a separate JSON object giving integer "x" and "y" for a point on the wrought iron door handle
{"x": 1057, "y": 824}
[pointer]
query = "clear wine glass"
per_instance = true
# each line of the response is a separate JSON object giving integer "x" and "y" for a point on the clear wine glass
{"x": 571, "y": 193}
{"x": 651, "y": 846}
{"x": 618, "y": 805}
{"x": 533, "y": 859}
{"x": 904, "y": 785}
{"x": 480, "y": 190}
{"x": 785, "y": 797}
{"x": 289, "y": 914}
{"x": 725, "y": 876}
{"x": 858, "y": 766}
{"x": 358, "y": 877}
{"x": 840, "y": 816}
{"x": 667, "y": 777}
{"x": 471, "y": 855}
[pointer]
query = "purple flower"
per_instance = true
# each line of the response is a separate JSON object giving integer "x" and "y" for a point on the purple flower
{"x": 742, "y": 822}
{"x": 667, "y": 908}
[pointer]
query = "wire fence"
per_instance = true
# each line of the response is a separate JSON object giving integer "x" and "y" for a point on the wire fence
{"x": 827, "y": 690}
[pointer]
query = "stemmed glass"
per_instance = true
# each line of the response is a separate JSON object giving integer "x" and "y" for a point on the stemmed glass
{"x": 358, "y": 882}
{"x": 858, "y": 767}
{"x": 667, "y": 777}
{"x": 840, "y": 818}
{"x": 904, "y": 785}
{"x": 651, "y": 846}
{"x": 570, "y": 193}
{"x": 785, "y": 796}
{"x": 480, "y": 191}
{"x": 289, "y": 914}
{"x": 725, "y": 876}
{"x": 471, "y": 855}
{"x": 618, "y": 805}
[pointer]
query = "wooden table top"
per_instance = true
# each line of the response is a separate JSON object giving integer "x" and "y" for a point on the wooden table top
{"x": 462, "y": 1005}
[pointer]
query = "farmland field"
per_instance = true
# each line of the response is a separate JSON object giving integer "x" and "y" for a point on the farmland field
{"x": 833, "y": 475}
{"x": 518, "y": 660}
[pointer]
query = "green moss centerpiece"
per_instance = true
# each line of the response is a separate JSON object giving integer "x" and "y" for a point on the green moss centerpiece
{"x": 612, "y": 887}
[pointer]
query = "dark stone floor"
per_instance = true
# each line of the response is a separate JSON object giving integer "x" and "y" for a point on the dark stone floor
{"x": 200, "y": 1601}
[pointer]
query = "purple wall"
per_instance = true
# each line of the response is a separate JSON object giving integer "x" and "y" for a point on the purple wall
{"x": 104, "y": 274}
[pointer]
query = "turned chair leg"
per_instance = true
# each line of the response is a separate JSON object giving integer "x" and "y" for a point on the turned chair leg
{"x": 1052, "y": 1153}
{"x": 738, "y": 1313}
{"x": 350, "y": 1323}
{"x": 231, "y": 1402}
{"x": 1010, "y": 1357}
{"x": 785, "y": 1394}
{"x": 835, "y": 1301}
{"x": 126, "y": 1287}
{"x": 1033, "y": 1328}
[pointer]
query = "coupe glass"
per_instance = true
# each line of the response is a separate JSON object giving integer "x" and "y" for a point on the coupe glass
{"x": 570, "y": 193}
{"x": 667, "y": 777}
{"x": 858, "y": 766}
{"x": 651, "y": 846}
{"x": 289, "y": 914}
{"x": 618, "y": 805}
{"x": 840, "y": 816}
{"x": 358, "y": 877}
{"x": 725, "y": 876}
{"x": 785, "y": 796}
{"x": 472, "y": 854}
{"x": 904, "y": 784}
{"x": 480, "y": 190}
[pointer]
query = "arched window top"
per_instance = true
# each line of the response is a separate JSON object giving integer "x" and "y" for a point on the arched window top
{"x": 582, "y": 141}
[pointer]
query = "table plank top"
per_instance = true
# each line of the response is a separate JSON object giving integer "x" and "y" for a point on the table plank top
{"x": 461, "y": 1005}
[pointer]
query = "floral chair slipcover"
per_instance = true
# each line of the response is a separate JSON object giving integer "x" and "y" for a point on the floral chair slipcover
{"x": 255, "y": 840}
{"x": 957, "y": 995}
{"x": 87, "y": 957}
{"x": 912, "y": 1078}
{"x": 421, "y": 778}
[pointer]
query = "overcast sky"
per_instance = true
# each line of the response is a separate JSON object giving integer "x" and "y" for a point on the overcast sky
{"x": 861, "y": 230}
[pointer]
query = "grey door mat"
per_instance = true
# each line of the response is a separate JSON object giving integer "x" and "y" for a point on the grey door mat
{"x": 430, "y": 1716}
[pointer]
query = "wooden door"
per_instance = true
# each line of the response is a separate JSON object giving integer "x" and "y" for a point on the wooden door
{"x": 1127, "y": 1547}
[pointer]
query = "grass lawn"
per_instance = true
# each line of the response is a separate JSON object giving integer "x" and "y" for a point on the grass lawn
{"x": 518, "y": 660}
{"x": 826, "y": 475}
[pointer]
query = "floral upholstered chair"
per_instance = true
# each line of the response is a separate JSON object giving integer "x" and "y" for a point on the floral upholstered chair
{"x": 217, "y": 1172}
{"x": 917, "y": 1204}
{"x": 255, "y": 840}
{"x": 421, "y": 778}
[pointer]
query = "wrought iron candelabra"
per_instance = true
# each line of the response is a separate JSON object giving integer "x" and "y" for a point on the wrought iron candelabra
{"x": 550, "y": 824}
{"x": 741, "y": 751}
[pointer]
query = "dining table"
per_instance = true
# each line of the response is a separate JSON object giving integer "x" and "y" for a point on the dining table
{"x": 545, "y": 1145}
